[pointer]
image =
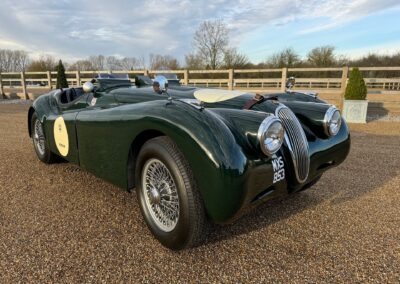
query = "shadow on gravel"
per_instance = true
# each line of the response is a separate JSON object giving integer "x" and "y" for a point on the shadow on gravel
{"x": 376, "y": 110}
{"x": 372, "y": 162}
{"x": 13, "y": 96}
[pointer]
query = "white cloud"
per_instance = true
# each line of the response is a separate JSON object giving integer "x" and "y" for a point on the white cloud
{"x": 76, "y": 28}
{"x": 340, "y": 12}
{"x": 7, "y": 44}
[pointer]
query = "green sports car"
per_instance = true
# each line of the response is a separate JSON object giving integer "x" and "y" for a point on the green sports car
{"x": 193, "y": 155}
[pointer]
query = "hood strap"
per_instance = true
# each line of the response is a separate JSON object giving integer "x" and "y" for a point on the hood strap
{"x": 256, "y": 100}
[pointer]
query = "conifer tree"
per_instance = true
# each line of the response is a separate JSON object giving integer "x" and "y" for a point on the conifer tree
{"x": 356, "y": 88}
{"x": 61, "y": 77}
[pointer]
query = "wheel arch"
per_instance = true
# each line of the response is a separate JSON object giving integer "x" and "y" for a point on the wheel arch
{"x": 215, "y": 157}
{"x": 134, "y": 150}
{"x": 31, "y": 111}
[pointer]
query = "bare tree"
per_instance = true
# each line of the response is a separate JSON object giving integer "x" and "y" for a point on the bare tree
{"x": 98, "y": 62}
{"x": 102, "y": 63}
{"x": 129, "y": 63}
{"x": 211, "y": 40}
{"x": 82, "y": 65}
{"x": 373, "y": 59}
{"x": 285, "y": 58}
{"x": 194, "y": 61}
{"x": 322, "y": 56}
{"x": 141, "y": 62}
{"x": 113, "y": 63}
{"x": 21, "y": 60}
{"x": 13, "y": 60}
{"x": 44, "y": 63}
{"x": 163, "y": 62}
{"x": 5, "y": 60}
{"x": 234, "y": 59}
{"x": 342, "y": 60}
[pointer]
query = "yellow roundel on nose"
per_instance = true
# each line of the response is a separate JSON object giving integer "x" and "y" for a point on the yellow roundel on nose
{"x": 61, "y": 136}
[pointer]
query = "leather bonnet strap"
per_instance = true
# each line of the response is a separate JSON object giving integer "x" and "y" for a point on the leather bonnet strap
{"x": 250, "y": 103}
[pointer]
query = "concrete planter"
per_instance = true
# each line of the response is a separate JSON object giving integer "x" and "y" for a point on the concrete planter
{"x": 355, "y": 111}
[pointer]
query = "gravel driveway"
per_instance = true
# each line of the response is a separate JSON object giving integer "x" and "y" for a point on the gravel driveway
{"x": 61, "y": 224}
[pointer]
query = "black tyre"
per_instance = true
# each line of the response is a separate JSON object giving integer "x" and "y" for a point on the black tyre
{"x": 39, "y": 141}
{"x": 169, "y": 200}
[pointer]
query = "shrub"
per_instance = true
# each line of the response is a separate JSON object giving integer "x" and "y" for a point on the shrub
{"x": 61, "y": 77}
{"x": 356, "y": 88}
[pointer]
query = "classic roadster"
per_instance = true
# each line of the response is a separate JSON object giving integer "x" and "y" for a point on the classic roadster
{"x": 193, "y": 155}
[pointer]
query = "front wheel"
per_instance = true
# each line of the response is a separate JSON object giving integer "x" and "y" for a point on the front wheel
{"x": 169, "y": 201}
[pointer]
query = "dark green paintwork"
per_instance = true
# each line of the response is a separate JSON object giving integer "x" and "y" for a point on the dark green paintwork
{"x": 219, "y": 142}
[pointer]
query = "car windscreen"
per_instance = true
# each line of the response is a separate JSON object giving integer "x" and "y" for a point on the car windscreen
{"x": 112, "y": 76}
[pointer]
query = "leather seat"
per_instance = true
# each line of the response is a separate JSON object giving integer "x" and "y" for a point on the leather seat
{"x": 70, "y": 95}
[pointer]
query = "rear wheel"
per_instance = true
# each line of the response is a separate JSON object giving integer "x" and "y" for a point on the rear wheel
{"x": 170, "y": 203}
{"x": 39, "y": 141}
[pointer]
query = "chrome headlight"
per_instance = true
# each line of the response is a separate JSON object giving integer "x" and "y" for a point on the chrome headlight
{"x": 271, "y": 135}
{"x": 332, "y": 121}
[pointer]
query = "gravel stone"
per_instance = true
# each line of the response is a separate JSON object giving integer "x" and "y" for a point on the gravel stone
{"x": 61, "y": 224}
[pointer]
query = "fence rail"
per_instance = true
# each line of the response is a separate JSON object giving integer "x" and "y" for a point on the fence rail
{"x": 332, "y": 79}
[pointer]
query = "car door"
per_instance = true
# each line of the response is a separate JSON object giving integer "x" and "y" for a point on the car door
{"x": 61, "y": 124}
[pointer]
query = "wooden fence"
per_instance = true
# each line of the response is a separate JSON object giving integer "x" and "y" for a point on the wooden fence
{"x": 330, "y": 83}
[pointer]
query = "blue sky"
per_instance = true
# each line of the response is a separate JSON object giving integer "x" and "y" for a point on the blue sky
{"x": 377, "y": 32}
{"x": 74, "y": 29}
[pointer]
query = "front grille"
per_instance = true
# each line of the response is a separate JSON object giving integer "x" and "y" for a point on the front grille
{"x": 296, "y": 141}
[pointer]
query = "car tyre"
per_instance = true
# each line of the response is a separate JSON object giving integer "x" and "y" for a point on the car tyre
{"x": 39, "y": 140}
{"x": 168, "y": 198}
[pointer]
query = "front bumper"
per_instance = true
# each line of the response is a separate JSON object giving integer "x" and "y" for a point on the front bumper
{"x": 259, "y": 186}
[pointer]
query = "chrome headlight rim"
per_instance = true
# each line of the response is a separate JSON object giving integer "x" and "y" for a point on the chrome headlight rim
{"x": 263, "y": 130}
{"x": 328, "y": 120}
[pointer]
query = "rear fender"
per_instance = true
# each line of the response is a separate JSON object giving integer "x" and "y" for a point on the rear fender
{"x": 42, "y": 108}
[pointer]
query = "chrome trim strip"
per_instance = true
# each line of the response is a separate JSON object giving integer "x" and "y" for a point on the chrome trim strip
{"x": 328, "y": 116}
{"x": 296, "y": 141}
{"x": 192, "y": 102}
{"x": 265, "y": 124}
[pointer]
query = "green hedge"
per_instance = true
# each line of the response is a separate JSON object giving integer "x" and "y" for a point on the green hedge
{"x": 356, "y": 88}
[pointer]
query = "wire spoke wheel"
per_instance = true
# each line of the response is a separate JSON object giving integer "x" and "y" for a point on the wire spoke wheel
{"x": 160, "y": 194}
{"x": 38, "y": 137}
{"x": 168, "y": 198}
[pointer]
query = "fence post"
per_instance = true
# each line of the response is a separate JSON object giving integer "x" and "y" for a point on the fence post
{"x": 49, "y": 80}
{"x": 284, "y": 78}
{"x": 23, "y": 83}
{"x": 78, "y": 78}
{"x": 1, "y": 88}
{"x": 230, "y": 80}
{"x": 186, "y": 77}
{"x": 343, "y": 84}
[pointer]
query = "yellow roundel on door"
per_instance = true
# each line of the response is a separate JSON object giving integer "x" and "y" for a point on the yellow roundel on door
{"x": 61, "y": 136}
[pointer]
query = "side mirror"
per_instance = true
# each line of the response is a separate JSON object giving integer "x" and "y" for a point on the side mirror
{"x": 290, "y": 82}
{"x": 88, "y": 87}
{"x": 162, "y": 81}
